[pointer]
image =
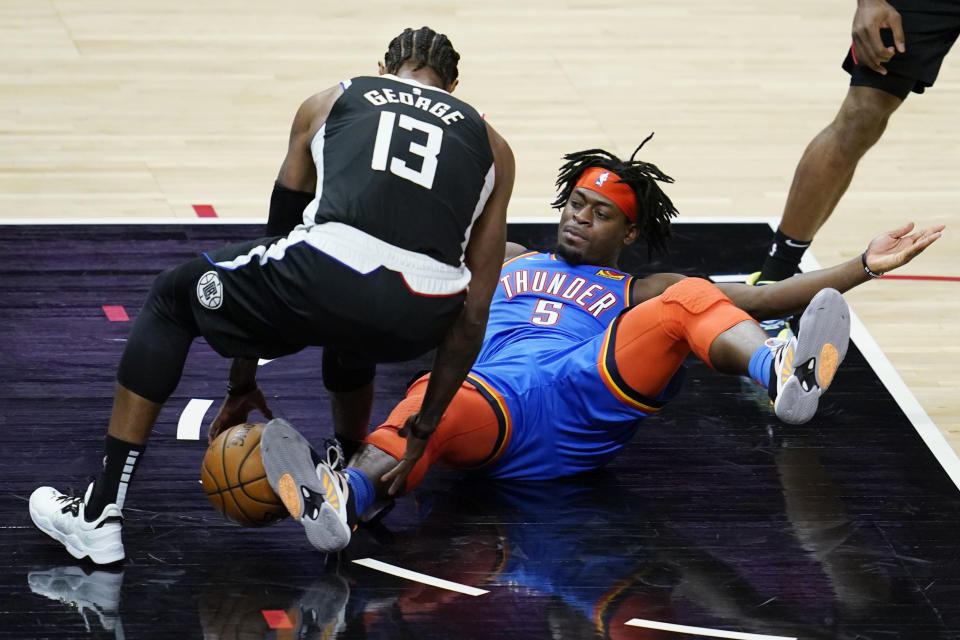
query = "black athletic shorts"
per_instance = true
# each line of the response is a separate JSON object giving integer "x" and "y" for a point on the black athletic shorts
{"x": 930, "y": 28}
{"x": 277, "y": 306}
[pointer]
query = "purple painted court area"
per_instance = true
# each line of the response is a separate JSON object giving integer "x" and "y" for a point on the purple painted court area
{"x": 716, "y": 516}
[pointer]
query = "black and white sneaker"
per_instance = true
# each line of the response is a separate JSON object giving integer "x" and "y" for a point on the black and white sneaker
{"x": 61, "y": 517}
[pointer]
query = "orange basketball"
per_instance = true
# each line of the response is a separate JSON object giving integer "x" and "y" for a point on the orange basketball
{"x": 234, "y": 480}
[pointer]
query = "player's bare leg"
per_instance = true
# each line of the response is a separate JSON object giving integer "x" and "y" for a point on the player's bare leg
{"x": 133, "y": 416}
{"x": 823, "y": 174}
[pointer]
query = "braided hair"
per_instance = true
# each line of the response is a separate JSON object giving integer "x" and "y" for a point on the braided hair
{"x": 654, "y": 208}
{"x": 424, "y": 47}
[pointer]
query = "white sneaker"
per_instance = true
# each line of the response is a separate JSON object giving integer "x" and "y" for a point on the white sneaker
{"x": 313, "y": 492}
{"x": 804, "y": 366}
{"x": 61, "y": 517}
{"x": 98, "y": 591}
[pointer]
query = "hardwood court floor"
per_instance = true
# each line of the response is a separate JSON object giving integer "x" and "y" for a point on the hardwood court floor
{"x": 717, "y": 516}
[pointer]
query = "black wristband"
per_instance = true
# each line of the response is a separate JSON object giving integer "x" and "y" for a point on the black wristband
{"x": 241, "y": 391}
{"x": 417, "y": 432}
{"x": 870, "y": 272}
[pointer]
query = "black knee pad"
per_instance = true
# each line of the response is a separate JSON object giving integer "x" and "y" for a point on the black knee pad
{"x": 159, "y": 340}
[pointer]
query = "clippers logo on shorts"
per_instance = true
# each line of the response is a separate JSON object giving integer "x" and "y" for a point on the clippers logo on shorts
{"x": 602, "y": 178}
{"x": 210, "y": 290}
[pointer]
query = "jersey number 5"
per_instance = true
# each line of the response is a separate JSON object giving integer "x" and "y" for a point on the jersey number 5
{"x": 427, "y": 151}
{"x": 546, "y": 313}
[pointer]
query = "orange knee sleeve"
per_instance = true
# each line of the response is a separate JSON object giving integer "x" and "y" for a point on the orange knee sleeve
{"x": 654, "y": 337}
{"x": 700, "y": 312}
{"x": 466, "y": 436}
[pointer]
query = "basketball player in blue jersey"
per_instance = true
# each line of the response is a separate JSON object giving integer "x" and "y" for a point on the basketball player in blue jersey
{"x": 399, "y": 252}
{"x": 577, "y": 353}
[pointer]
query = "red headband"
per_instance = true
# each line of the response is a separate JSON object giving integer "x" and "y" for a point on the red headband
{"x": 608, "y": 184}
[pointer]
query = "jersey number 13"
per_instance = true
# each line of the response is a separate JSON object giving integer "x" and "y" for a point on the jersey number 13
{"x": 427, "y": 151}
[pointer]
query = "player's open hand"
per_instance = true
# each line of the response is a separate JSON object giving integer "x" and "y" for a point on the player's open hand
{"x": 235, "y": 409}
{"x": 396, "y": 478}
{"x": 898, "y": 247}
{"x": 868, "y": 47}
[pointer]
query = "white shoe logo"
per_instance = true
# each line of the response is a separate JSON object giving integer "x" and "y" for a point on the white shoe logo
{"x": 210, "y": 290}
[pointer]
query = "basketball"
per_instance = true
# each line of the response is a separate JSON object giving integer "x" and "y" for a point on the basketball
{"x": 234, "y": 480}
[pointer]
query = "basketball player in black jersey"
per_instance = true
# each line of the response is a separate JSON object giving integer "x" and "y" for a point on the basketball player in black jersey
{"x": 389, "y": 215}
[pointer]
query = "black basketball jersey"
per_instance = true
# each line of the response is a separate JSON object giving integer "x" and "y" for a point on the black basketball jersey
{"x": 404, "y": 162}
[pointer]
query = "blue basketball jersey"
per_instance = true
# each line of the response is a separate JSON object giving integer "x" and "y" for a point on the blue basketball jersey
{"x": 543, "y": 368}
{"x": 542, "y": 302}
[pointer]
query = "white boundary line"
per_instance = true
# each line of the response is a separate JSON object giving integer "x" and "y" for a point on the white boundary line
{"x": 921, "y": 422}
{"x": 406, "y": 574}
{"x": 191, "y": 419}
{"x": 702, "y": 631}
{"x": 925, "y": 427}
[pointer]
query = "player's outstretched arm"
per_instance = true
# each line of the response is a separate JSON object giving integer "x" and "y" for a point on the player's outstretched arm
{"x": 462, "y": 341}
{"x": 886, "y": 252}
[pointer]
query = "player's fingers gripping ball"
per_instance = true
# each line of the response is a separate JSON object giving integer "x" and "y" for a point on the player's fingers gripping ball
{"x": 234, "y": 479}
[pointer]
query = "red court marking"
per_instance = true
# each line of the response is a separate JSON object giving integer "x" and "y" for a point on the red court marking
{"x": 116, "y": 313}
{"x": 931, "y": 278}
{"x": 277, "y": 619}
{"x": 204, "y": 211}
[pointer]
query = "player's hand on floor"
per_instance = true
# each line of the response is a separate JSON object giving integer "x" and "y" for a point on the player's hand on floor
{"x": 896, "y": 248}
{"x": 868, "y": 47}
{"x": 397, "y": 477}
{"x": 235, "y": 409}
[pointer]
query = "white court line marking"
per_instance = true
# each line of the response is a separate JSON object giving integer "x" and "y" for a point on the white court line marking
{"x": 733, "y": 277}
{"x": 701, "y": 631}
{"x": 376, "y": 565}
{"x": 263, "y": 361}
{"x": 188, "y": 428}
{"x": 908, "y": 403}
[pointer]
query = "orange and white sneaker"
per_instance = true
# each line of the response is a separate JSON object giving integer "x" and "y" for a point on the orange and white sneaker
{"x": 804, "y": 366}
{"x": 311, "y": 489}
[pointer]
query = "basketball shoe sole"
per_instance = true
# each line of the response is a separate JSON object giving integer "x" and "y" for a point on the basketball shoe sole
{"x": 805, "y": 366}
{"x": 309, "y": 488}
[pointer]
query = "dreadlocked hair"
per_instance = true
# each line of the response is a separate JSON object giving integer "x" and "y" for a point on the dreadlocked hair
{"x": 426, "y": 48}
{"x": 654, "y": 208}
